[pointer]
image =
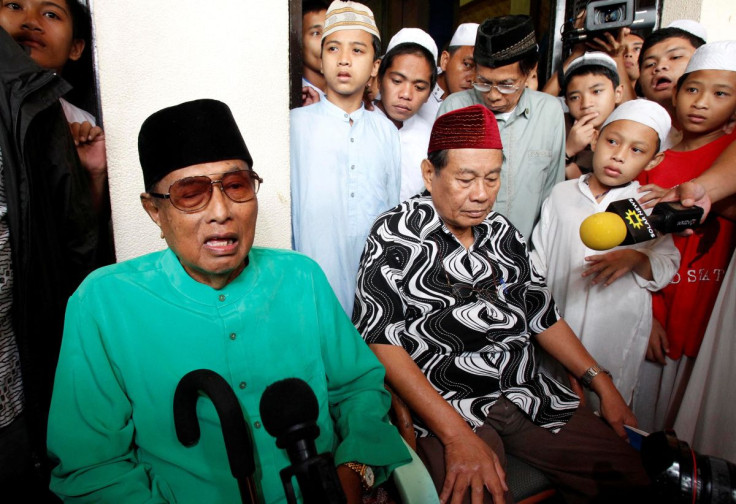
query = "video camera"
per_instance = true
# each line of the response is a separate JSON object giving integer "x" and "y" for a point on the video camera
{"x": 610, "y": 15}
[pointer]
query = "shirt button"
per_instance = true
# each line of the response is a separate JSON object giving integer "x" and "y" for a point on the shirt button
{"x": 242, "y": 385}
{"x": 345, "y": 115}
{"x": 352, "y": 195}
{"x": 352, "y": 139}
{"x": 352, "y": 167}
{"x": 221, "y": 297}
{"x": 233, "y": 336}
{"x": 257, "y": 425}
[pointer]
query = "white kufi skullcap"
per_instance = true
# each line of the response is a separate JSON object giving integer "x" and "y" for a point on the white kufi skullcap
{"x": 465, "y": 35}
{"x": 646, "y": 112}
{"x": 719, "y": 55}
{"x": 690, "y": 26}
{"x": 416, "y": 36}
{"x": 349, "y": 16}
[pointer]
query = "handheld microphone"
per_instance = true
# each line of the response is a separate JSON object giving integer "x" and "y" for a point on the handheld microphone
{"x": 624, "y": 223}
{"x": 235, "y": 431}
{"x": 289, "y": 412}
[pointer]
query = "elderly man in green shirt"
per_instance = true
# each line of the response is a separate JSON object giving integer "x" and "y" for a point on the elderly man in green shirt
{"x": 531, "y": 123}
{"x": 211, "y": 300}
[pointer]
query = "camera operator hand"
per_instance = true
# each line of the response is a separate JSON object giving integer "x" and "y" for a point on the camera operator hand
{"x": 615, "y": 47}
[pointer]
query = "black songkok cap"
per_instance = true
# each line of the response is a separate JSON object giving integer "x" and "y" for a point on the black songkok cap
{"x": 195, "y": 132}
{"x": 504, "y": 40}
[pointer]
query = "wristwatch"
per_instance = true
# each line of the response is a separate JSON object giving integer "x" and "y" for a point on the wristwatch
{"x": 367, "y": 478}
{"x": 591, "y": 373}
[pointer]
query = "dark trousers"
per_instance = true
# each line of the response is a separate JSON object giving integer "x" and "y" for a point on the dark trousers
{"x": 586, "y": 461}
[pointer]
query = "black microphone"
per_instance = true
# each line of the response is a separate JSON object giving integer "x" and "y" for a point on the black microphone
{"x": 235, "y": 431}
{"x": 289, "y": 412}
{"x": 624, "y": 223}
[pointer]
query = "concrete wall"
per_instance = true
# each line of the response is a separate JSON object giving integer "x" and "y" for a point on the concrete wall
{"x": 156, "y": 54}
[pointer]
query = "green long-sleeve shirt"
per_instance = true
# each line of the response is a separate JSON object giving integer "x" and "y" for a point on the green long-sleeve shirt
{"x": 134, "y": 329}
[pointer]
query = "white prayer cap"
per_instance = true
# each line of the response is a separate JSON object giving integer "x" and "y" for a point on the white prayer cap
{"x": 349, "y": 16}
{"x": 690, "y": 26}
{"x": 646, "y": 112}
{"x": 416, "y": 36}
{"x": 719, "y": 55}
{"x": 465, "y": 35}
{"x": 594, "y": 58}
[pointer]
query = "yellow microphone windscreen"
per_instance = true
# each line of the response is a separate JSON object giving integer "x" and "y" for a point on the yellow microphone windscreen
{"x": 603, "y": 231}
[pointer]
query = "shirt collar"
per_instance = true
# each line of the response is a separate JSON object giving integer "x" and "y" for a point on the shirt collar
{"x": 203, "y": 294}
{"x": 481, "y": 232}
{"x": 336, "y": 112}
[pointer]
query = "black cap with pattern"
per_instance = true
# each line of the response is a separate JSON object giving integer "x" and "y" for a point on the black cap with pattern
{"x": 504, "y": 40}
{"x": 191, "y": 133}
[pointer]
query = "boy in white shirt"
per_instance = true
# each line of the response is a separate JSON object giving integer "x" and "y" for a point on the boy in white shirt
{"x": 605, "y": 297}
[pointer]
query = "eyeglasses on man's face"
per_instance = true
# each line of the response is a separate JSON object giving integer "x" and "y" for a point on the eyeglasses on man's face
{"x": 192, "y": 194}
{"x": 485, "y": 87}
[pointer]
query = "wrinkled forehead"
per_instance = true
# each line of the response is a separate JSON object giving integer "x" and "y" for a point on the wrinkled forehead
{"x": 510, "y": 72}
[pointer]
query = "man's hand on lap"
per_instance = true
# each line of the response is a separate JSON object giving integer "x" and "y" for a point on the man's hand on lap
{"x": 470, "y": 464}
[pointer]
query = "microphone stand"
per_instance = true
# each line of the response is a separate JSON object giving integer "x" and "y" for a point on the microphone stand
{"x": 315, "y": 474}
{"x": 235, "y": 431}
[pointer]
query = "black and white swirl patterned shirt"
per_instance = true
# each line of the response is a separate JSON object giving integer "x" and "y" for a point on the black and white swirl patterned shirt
{"x": 473, "y": 346}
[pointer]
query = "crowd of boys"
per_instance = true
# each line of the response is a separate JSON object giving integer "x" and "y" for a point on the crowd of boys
{"x": 443, "y": 206}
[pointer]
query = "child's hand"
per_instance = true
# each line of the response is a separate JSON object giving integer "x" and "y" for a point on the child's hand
{"x": 659, "y": 345}
{"x": 609, "y": 267}
{"x": 653, "y": 194}
{"x": 90, "y": 142}
{"x": 581, "y": 134}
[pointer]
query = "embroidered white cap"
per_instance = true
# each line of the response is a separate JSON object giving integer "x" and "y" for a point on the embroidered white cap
{"x": 349, "y": 15}
{"x": 465, "y": 35}
{"x": 719, "y": 55}
{"x": 416, "y": 36}
{"x": 594, "y": 58}
{"x": 646, "y": 112}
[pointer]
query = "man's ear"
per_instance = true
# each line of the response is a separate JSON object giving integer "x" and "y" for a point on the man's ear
{"x": 151, "y": 208}
{"x": 75, "y": 52}
{"x": 444, "y": 59}
{"x": 619, "y": 93}
{"x": 428, "y": 174}
{"x": 594, "y": 139}
{"x": 376, "y": 64}
{"x": 658, "y": 157}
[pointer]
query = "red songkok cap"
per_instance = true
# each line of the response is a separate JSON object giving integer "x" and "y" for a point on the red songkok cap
{"x": 471, "y": 127}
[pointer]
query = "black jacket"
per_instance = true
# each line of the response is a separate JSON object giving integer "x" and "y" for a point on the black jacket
{"x": 54, "y": 232}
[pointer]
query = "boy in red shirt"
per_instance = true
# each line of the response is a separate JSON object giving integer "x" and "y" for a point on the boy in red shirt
{"x": 705, "y": 106}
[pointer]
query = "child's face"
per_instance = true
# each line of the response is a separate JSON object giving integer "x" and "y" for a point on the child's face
{"x": 622, "y": 150}
{"x": 312, "y": 25}
{"x": 632, "y": 48}
{"x": 587, "y": 94}
{"x": 662, "y": 65}
{"x": 405, "y": 86}
{"x": 45, "y": 27}
{"x": 348, "y": 61}
{"x": 706, "y": 101}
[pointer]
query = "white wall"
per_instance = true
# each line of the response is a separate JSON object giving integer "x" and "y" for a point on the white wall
{"x": 718, "y": 16}
{"x": 156, "y": 54}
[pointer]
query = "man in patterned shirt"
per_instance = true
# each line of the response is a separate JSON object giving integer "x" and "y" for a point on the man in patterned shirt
{"x": 448, "y": 300}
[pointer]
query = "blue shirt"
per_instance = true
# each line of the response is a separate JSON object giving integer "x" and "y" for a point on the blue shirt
{"x": 342, "y": 177}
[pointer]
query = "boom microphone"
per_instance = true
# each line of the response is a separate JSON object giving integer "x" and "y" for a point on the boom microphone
{"x": 624, "y": 223}
{"x": 289, "y": 412}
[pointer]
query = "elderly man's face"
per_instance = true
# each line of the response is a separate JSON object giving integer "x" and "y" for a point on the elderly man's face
{"x": 212, "y": 243}
{"x": 510, "y": 75}
{"x": 463, "y": 192}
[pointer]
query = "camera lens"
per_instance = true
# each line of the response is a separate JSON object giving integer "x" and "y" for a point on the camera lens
{"x": 610, "y": 15}
{"x": 680, "y": 475}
